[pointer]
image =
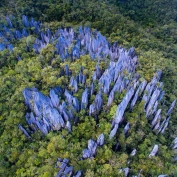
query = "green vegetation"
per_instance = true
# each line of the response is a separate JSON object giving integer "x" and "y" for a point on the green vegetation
{"x": 150, "y": 26}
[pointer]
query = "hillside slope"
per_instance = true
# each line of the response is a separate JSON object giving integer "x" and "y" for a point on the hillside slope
{"x": 27, "y": 66}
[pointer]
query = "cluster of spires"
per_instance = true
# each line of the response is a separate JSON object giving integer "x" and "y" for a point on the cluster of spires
{"x": 49, "y": 113}
{"x": 8, "y": 33}
{"x": 152, "y": 95}
{"x": 65, "y": 169}
{"x": 68, "y": 44}
{"x": 92, "y": 146}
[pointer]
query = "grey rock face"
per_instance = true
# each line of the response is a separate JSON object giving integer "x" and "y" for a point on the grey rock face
{"x": 84, "y": 102}
{"x": 165, "y": 126}
{"x": 76, "y": 104}
{"x": 100, "y": 140}
{"x": 119, "y": 83}
{"x": 125, "y": 170}
{"x": 126, "y": 128}
{"x": 113, "y": 131}
{"x": 111, "y": 98}
{"x": 138, "y": 92}
{"x": 54, "y": 98}
{"x": 78, "y": 174}
{"x": 171, "y": 107}
{"x": 156, "y": 126}
{"x": 118, "y": 117}
{"x": 153, "y": 99}
{"x": 174, "y": 144}
{"x": 92, "y": 146}
{"x": 154, "y": 151}
{"x": 92, "y": 89}
{"x": 46, "y": 115}
{"x": 68, "y": 96}
{"x": 65, "y": 169}
{"x": 98, "y": 102}
{"x": 98, "y": 72}
{"x": 68, "y": 126}
{"x": 92, "y": 109}
{"x": 154, "y": 108}
{"x": 86, "y": 154}
{"x": 156, "y": 118}
{"x": 139, "y": 174}
{"x": 150, "y": 87}
{"x": 123, "y": 105}
{"x": 73, "y": 84}
{"x": 25, "y": 132}
{"x": 90, "y": 152}
{"x": 133, "y": 153}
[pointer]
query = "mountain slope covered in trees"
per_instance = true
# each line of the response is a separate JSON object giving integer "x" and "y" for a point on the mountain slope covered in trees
{"x": 149, "y": 26}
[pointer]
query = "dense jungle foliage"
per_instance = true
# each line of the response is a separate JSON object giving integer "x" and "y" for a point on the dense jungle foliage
{"x": 150, "y": 26}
